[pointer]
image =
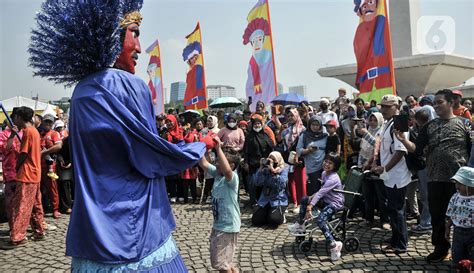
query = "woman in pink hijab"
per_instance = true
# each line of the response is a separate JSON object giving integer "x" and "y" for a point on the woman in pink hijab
{"x": 297, "y": 172}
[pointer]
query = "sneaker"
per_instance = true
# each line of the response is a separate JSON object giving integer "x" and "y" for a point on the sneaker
{"x": 336, "y": 251}
{"x": 386, "y": 226}
{"x": 419, "y": 229}
{"x": 181, "y": 200}
{"x": 437, "y": 257}
{"x": 296, "y": 209}
{"x": 68, "y": 211}
{"x": 56, "y": 214}
{"x": 284, "y": 219}
{"x": 296, "y": 228}
{"x": 173, "y": 200}
{"x": 38, "y": 237}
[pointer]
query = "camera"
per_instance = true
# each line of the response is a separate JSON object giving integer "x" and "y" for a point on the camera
{"x": 264, "y": 161}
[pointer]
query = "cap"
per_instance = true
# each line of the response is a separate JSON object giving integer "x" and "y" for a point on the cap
{"x": 331, "y": 122}
{"x": 324, "y": 100}
{"x": 48, "y": 117}
{"x": 457, "y": 92}
{"x": 58, "y": 123}
{"x": 465, "y": 176}
{"x": 390, "y": 100}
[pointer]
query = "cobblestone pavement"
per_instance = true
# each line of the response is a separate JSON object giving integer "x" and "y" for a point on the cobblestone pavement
{"x": 259, "y": 249}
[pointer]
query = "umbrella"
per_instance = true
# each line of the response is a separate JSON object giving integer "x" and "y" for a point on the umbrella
{"x": 225, "y": 102}
{"x": 289, "y": 98}
{"x": 190, "y": 113}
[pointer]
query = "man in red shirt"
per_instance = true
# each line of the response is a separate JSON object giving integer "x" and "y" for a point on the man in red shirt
{"x": 9, "y": 148}
{"x": 458, "y": 109}
{"x": 50, "y": 143}
{"x": 26, "y": 203}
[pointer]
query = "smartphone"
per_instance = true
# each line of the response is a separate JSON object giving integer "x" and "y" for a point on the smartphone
{"x": 400, "y": 123}
{"x": 274, "y": 112}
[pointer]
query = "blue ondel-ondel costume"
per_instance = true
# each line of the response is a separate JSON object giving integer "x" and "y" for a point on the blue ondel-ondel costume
{"x": 121, "y": 219}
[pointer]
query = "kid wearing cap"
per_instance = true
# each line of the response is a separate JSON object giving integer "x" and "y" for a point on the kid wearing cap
{"x": 460, "y": 214}
{"x": 333, "y": 144}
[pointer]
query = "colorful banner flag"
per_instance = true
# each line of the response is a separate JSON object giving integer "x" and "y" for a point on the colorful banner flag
{"x": 156, "y": 79}
{"x": 195, "y": 96}
{"x": 261, "y": 81}
{"x": 373, "y": 50}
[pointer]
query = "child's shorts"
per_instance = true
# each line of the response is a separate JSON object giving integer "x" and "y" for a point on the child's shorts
{"x": 222, "y": 250}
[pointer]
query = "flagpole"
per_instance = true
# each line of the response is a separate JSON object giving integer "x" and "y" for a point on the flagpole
{"x": 161, "y": 77}
{"x": 203, "y": 69}
{"x": 392, "y": 69}
{"x": 273, "y": 53}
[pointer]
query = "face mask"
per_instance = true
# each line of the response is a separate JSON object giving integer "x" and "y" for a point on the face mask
{"x": 351, "y": 114}
{"x": 257, "y": 129}
{"x": 231, "y": 124}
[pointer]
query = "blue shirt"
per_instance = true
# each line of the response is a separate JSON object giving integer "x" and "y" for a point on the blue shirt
{"x": 225, "y": 206}
{"x": 314, "y": 160}
{"x": 274, "y": 187}
{"x": 121, "y": 210}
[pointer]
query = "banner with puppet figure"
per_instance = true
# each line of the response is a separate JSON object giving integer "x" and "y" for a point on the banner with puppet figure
{"x": 156, "y": 80}
{"x": 195, "y": 96}
{"x": 261, "y": 82}
{"x": 373, "y": 50}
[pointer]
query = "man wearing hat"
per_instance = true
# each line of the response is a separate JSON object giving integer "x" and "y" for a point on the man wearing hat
{"x": 458, "y": 109}
{"x": 325, "y": 114}
{"x": 460, "y": 214}
{"x": 51, "y": 143}
{"x": 395, "y": 174}
{"x": 445, "y": 140}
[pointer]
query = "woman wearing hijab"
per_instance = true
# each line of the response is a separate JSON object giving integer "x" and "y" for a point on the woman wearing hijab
{"x": 174, "y": 134}
{"x": 212, "y": 124}
{"x": 312, "y": 147}
{"x": 372, "y": 189}
{"x": 297, "y": 172}
{"x": 231, "y": 135}
{"x": 272, "y": 176}
{"x": 347, "y": 124}
{"x": 257, "y": 145}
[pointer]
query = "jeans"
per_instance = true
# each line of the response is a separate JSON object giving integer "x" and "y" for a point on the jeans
{"x": 374, "y": 192}
{"x": 439, "y": 194}
{"x": 425, "y": 216}
{"x": 463, "y": 244}
{"x": 254, "y": 191}
{"x": 321, "y": 219}
{"x": 397, "y": 214}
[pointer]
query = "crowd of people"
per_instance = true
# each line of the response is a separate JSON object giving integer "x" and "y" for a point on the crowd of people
{"x": 288, "y": 161}
{"x": 37, "y": 174}
{"x": 291, "y": 162}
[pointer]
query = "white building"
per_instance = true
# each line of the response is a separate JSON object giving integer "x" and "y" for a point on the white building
{"x": 299, "y": 89}
{"x": 217, "y": 91}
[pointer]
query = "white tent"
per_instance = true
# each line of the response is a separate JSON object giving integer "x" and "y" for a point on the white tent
{"x": 18, "y": 101}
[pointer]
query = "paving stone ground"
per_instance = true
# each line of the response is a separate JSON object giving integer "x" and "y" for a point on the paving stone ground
{"x": 259, "y": 249}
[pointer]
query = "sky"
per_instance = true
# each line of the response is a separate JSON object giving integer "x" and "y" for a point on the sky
{"x": 307, "y": 35}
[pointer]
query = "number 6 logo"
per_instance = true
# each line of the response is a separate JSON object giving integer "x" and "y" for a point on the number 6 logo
{"x": 435, "y": 34}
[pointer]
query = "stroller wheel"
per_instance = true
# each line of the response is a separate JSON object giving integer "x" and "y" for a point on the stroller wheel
{"x": 305, "y": 246}
{"x": 299, "y": 239}
{"x": 351, "y": 244}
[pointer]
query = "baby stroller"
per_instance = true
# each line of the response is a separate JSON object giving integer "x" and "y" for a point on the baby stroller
{"x": 337, "y": 224}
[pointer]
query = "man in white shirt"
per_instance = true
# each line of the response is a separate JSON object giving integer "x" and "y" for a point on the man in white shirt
{"x": 325, "y": 114}
{"x": 396, "y": 175}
